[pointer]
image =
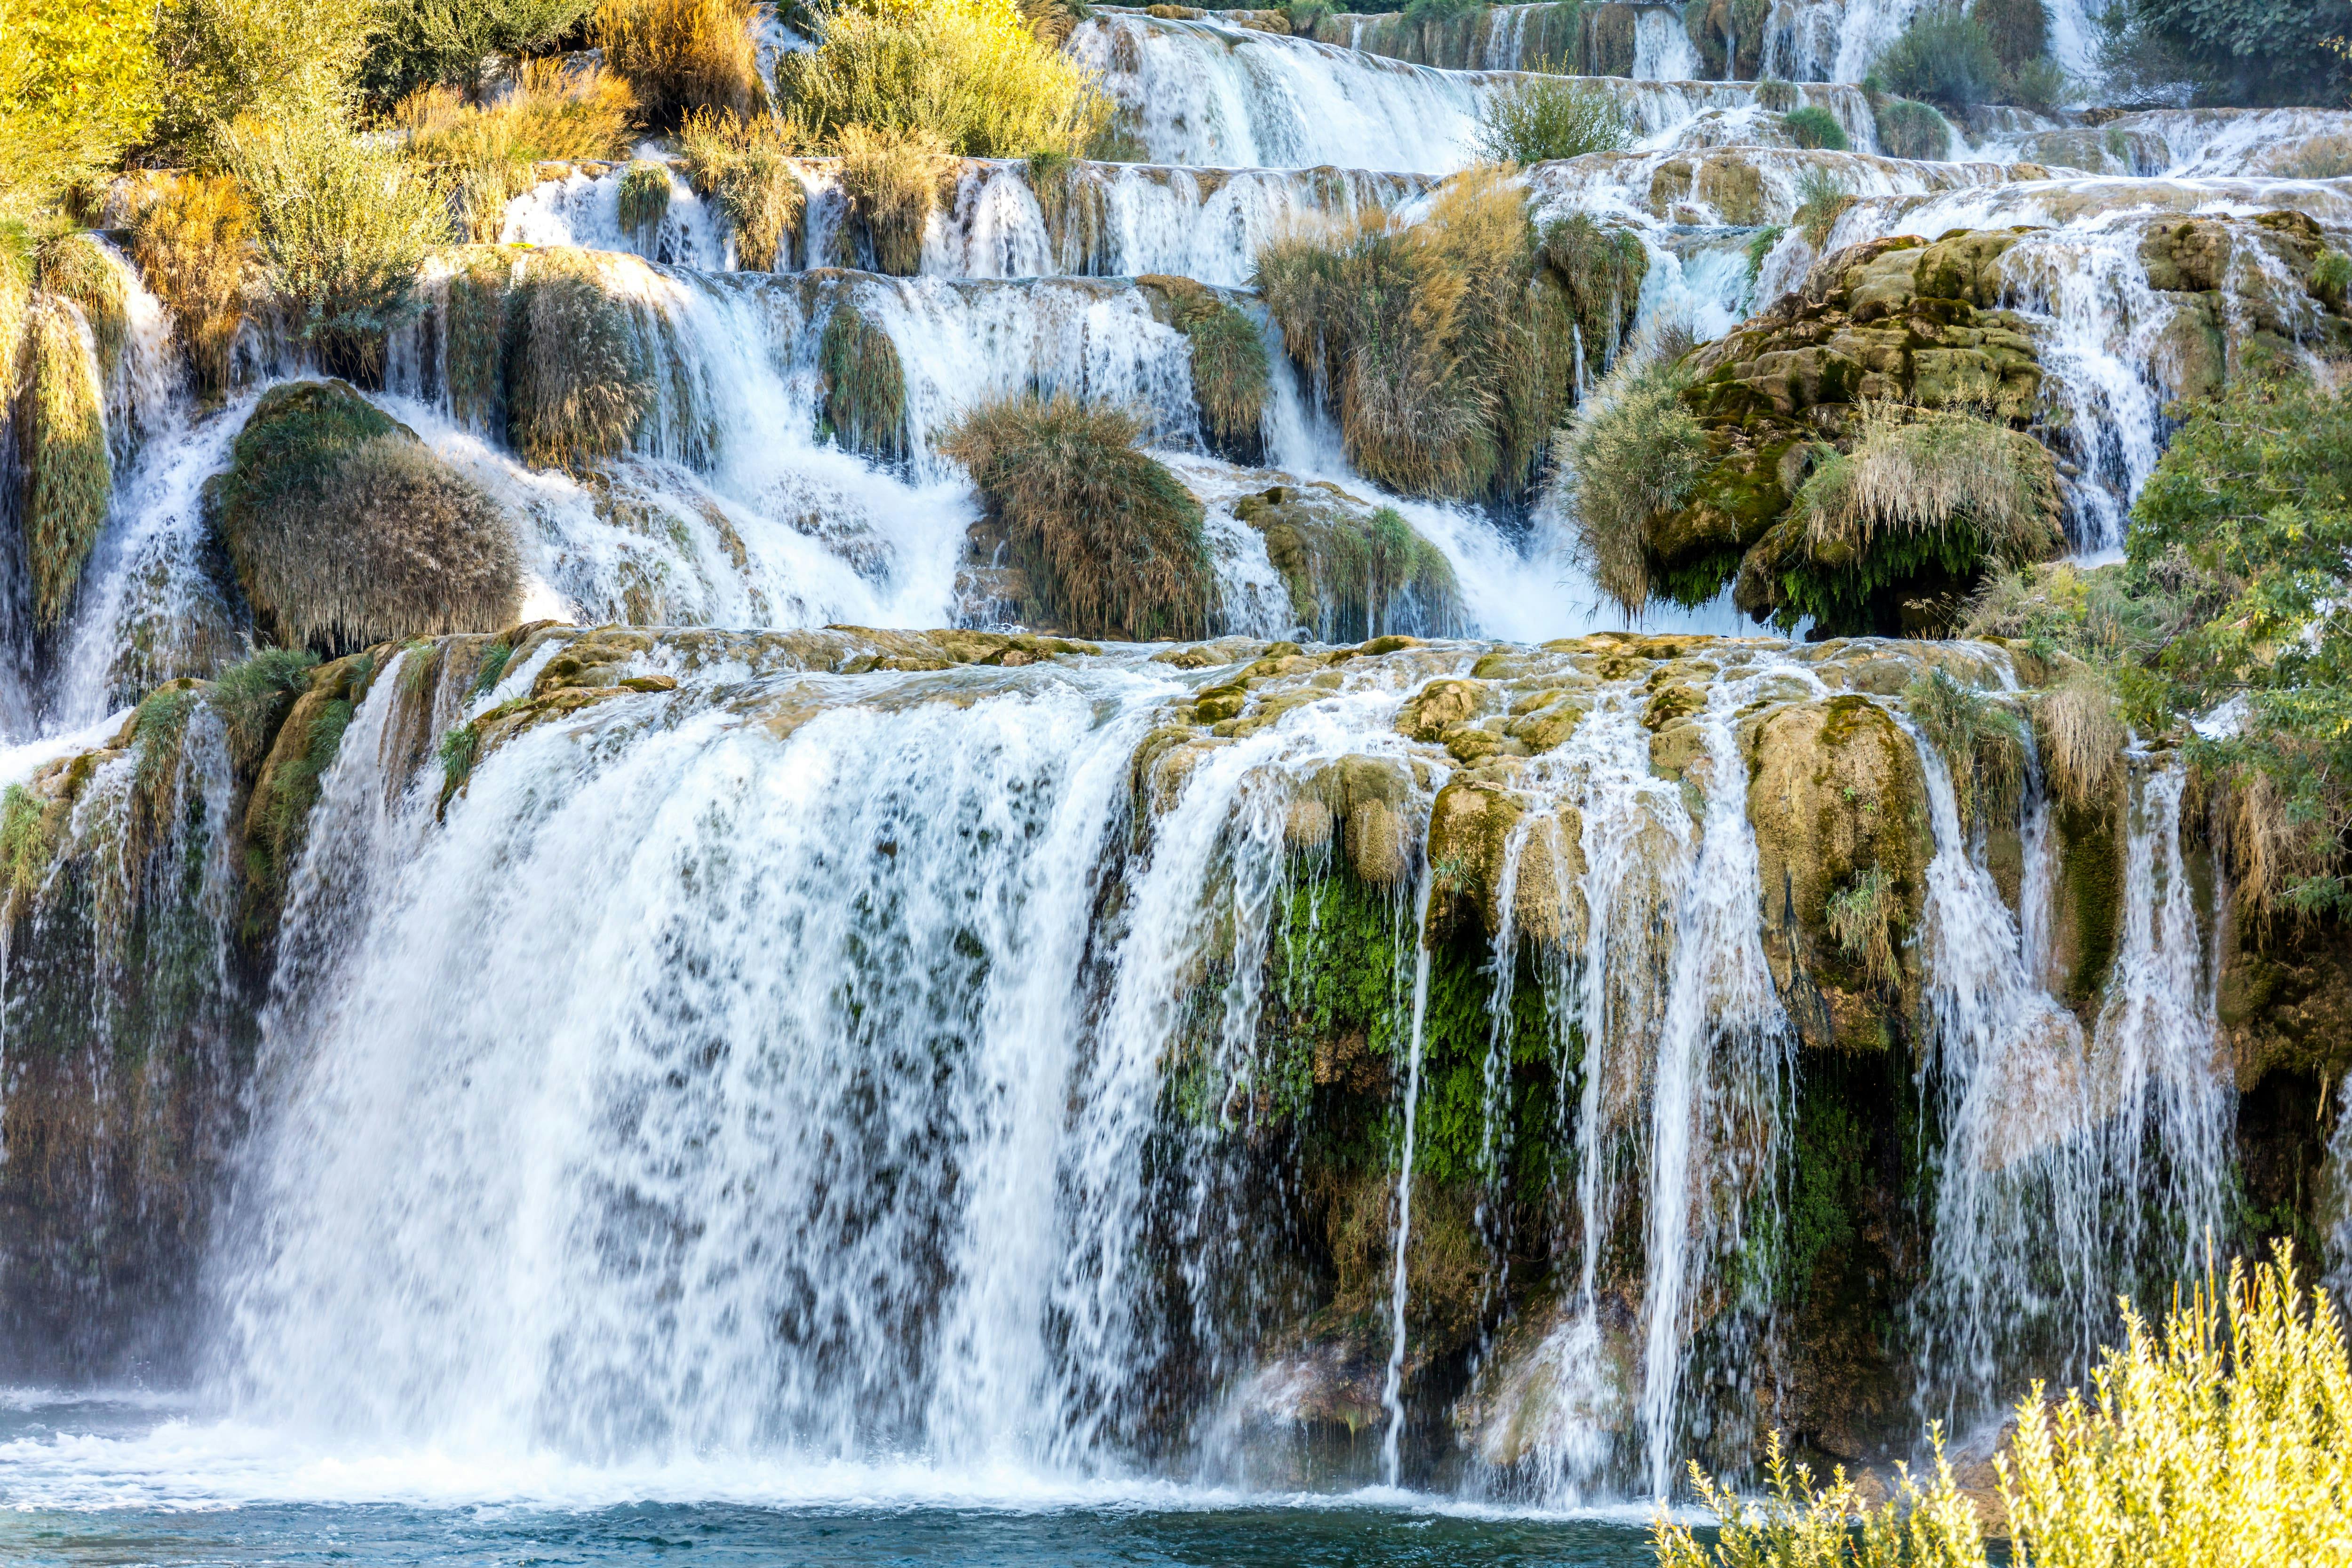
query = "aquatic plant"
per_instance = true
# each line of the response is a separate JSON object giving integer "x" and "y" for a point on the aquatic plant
{"x": 739, "y": 161}
{"x": 864, "y": 384}
{"x": 644, "y": 196}
{"x": 1110, "y": 540}
{"x": 577, "y": 384}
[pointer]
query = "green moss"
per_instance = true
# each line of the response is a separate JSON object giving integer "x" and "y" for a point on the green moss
{"x": 865, "y": 385}
{"x": 1600, "y": 268}
{"x": 294, "y": 788}
{"x": 1351, "y": 576}
{"x": 70, "y": 474}
{"x": 2090, "y": 901}
{"x": 28, "y": 841}
{"x": 73, "y": 267}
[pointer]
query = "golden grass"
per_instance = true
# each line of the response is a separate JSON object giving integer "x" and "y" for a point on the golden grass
{"x": 1228, "y": 361}
{"x": 1982, "y": 746}
{"x": 2082, "y": 739}
{"x": 72, "y": 266}
{"x": 69, "y": 477}
{"x": 15, "y": 300}
{"x": 489, "y": 156}
{"x": 194, "y": 245}
{"x": 1861, "y": 922}
{"x": 969, "y": 73}
{"x": 430, "y": 553}
{"x": 1110, "y": 540}
{"x": 680, "y": 55}
{"x": 739, "y": 162}
{"x": 891, "y": 178}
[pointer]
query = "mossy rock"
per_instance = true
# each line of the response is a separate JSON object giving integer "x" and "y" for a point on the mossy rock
{"x": 1353, "y": 569}
{"x": 1835, "y": 793}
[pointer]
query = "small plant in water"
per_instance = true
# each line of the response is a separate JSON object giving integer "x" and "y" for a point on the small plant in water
{"x": 1541, "y": 117}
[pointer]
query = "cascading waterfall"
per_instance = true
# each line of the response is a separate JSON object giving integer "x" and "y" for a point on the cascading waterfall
{"x": 1391, "y": 1390}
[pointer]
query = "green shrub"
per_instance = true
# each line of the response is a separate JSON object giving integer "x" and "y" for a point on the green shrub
{"x": 252, "y": 698}
{"x": 1353, "y": 576}
{"x": 1934, "y": 502}
{"x": 891, "y": 179}
{"x": 1777, "y": 96}
{"x": 1418, "y": 12}
{"x": 1533, "y": 119}
{"x": 1111, "y": 543}
{"x": 1303, "y": 15}
{"x": 1814, "y": 127}
{"x": 1448, "y": 371}
{"x": 1861, "y": 917}
{"x": 29, "y": 832}
{"x": 1945, "y": 56}
{"x": 577, "y": 384}
{"x": 679, "y": 56}
{"x": 1760, "y": 244}
{"x": 68, "y": 476}
{"x": 968, "y": 73}
{"x": 1910, "y": 130}
{"x": 1822, "y": 200}
{"x": 739, "y": 163}
{"x": 2331, "y": 278}
{"x": 1633, "y": 453}
{"x": 346, "y": 530}
{"x": 1229, "y": 364}
{"x": 2041, "y": 85}
{"x": 2019, "y": 30}
{"x": 473, "y": 337}
{"x": 443, "y": 43}
{"x": 226, "y": 61}
{"x": 1600, "y": 268}
{"x": 865, "y": 385}
{"x": 343, "y": 226}
{"x": 644, "y": 196}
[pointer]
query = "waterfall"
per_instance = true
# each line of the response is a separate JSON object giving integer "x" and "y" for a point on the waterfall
{"x": 1392, "y": 1389}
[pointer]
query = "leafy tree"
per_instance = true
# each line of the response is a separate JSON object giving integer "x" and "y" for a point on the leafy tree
{"x": 77, "y": 84}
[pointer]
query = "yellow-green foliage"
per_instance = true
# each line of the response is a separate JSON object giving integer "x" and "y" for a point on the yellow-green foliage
{"x": 1447, "y": 357}
{"x": 343, "y": 226}
{"x": 891, "y": 178}
{"x": 194, "y": 245}
{"x": 2082, "y": 740}
{"x": 968, "y": 73}
{"x": 252, "y": 697}
{"x": 1822, "y": 200}
{"x": 1796, "y": 1525}
{"x": 1633, "y": 454}
{"x": 1537, "y": 118}
{"x": 2223, "y": 1441}
{"x": 69, "y": 477}
{"x": 29, "y": 831}
{"x": 864, "y": 384}
{"x": 739, "y": 162}
{"x": 577, "y": 384}
{"x": 1229, "y": 364}
{"x": 72, "y": 266}
{"x": 265, "y": 59}
{"x": 78, "y": 83}
{"x": 683, "y": 55}
{"x": 15, "y": 300}
{"x": 473, "y": 323}
{"x": 490, "y": 154}
{"x": 1111, "y": 542}
{"x": 346, "y": 530}
{"x": 1601, "y": 267}
{"x": 644, "y": 196}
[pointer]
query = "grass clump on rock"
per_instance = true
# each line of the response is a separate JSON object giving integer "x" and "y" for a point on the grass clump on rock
{"x": 644, "y": 197}
{"x": 1982, "y": 743}
{"x": 1110, "y": 541}
{"x": 1929, "y": 502}
{"x": 1538, "y": 117}
{"x": 1601, "y": 268}
{"x": 1814, "y": 127}
{"x": 68, "y": 476}
{"x": 738, "y": 162}
{"x": 194, "y": 245}
{"x": 72, "y": 266}
{"x": 1447, "y": 355}
{"x": 346, "y": 530}
{"x": 490, "y": 154}
{"x": 576, "y": 384}
{"x": 1822, "y": 200}
{"x": 891, "y": 179}
{"x": 1908, "y": 129}
{"x": 1229, "y": 362}
{"x": 1632, "y": 457}
{"x": 343, "y": 226}
{"x": 864, "y": 384}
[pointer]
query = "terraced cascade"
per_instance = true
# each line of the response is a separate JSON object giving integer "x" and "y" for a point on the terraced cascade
{"x": 1035, "y": 851}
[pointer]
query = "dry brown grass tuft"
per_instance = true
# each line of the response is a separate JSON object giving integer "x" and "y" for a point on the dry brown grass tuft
{"x": 740, "y": 163}
{"x": 422, "y": 552}
{"x": 1110, "y": 540}
{"x": 1446, "y": 358}
{"x": 2082, "y": 739}
{"x": 577, "y": 384}
{"x": 892, "y": 181}
{"x": 68, "y": 476}
{"x": 194, "y": 247}
{"x": 683, "y": 55}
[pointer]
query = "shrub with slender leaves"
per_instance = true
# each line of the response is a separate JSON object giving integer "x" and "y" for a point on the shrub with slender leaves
{"x": 1814, "y": 127}
{"x": 1945, "y": 56}
{"x": 1533, "y": 119}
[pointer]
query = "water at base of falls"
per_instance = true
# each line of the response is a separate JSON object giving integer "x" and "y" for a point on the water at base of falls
{"x": 119, "y": 1477}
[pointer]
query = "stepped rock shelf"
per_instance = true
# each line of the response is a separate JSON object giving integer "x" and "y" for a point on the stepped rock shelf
{"x": 1733, "y": 887}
